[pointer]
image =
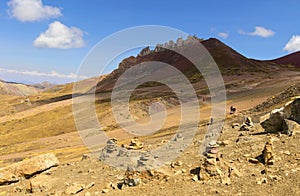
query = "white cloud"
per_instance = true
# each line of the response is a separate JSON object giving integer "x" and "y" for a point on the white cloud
{"x": 60, "y": 36}
{"x": 293, "y": 44}
{"x": 41, "y": 74}
{"x": 32, "y": 10}
{"x": 259, "y": 31}
{"x": 223, "y": 35}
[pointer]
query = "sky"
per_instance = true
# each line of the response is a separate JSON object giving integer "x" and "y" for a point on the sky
{"x": 47, "y": 40}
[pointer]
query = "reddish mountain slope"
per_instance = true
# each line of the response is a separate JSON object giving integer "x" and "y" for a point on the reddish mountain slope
{"x": 229, "y": 61}
{"x": 291, "y": 59}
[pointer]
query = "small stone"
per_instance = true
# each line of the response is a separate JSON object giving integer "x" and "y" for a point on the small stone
{"x": 133, "y": 182}
{"x": 211, "y": 161}
{"x": 214, "y": 151}
{"x": 178, "y": 137}
{"x": 119, "y": 177}
{"x": 246, "y": 155}
{"x": 90, "y": 185}
{"x": 176, "y": 163}
{"x": 85, "y": 156}
{"x": 225, "y": 180}
{"x": 213, "y": 143}
{"x": 287, "y": 152}
{"x": 105, "y": 190}
{"x": 114, "y": 186}
{"x": 274, "y": 177}
{"x": 225, "y": 142}
{"x": 177, "y": 173}
{"x": 151, "y": 172}
{"x": 183, "y": 170}
{"x": 74, "y": 189}
{"x": 195, "y": 178}
{"x": 249, "y": 121}
{"x": 264, "y": 180}
{"x": 254, "y": 161}
{"x": 211, "y": 156}
{"x": 235, "y": 125}
{"x": 87, "y": 194}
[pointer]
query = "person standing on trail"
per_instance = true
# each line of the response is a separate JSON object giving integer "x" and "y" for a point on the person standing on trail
{"x": 232, "y": 110}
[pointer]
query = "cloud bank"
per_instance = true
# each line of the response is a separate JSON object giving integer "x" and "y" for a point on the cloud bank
{"x": 259, "y": 31}
{"x": 32, "y": 10}
{"x": 223, "y": 35}
{"x": 293, "y": 44}
{"x": 60, "y": 36}
{"x": 41, "y": 74}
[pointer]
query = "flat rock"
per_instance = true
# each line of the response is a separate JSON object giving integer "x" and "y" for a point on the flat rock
{"x": 41, "y": 183}
{"x": 27, "y": 168}
{"x": 74, "y": 189}
{"x": 254, "y": 161}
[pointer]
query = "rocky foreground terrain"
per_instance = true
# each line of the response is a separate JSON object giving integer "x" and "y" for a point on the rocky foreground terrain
{"x": 248, "y": 159}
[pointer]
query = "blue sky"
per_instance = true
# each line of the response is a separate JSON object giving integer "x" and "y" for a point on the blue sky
{"x": 48, "y": 39}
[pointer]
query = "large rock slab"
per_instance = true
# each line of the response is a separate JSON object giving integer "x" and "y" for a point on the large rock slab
{"x": 27, "y": 168}
{"x": 275, "y": 123}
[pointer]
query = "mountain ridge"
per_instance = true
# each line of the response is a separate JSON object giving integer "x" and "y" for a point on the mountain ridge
{"x": 229, "y": 61}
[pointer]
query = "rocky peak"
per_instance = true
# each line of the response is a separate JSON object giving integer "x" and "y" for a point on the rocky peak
{"x": 145, "y": 52}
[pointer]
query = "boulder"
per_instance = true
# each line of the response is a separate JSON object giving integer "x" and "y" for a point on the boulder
{"x": 27, "y": 168}
{"x": 275, "y": 123}
{"x": 295, "y": 111}
{"x": 290, "y": 127}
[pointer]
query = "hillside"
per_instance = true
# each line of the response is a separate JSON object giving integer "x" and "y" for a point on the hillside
{"x": 17, "y": 89}
{"x": 229, "y": 61}
{"x": 290, "y": 59}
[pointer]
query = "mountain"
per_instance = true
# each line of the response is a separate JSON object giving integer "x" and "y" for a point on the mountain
{"x": 290, "y": 59}
{"x": 229, "y": 61}
{"x": 17, "y": 89}
{"x": 44, "y": 85}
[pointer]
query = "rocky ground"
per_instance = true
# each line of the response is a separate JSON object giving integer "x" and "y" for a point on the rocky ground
{"x": 247, "y": 160}
{"x": 243, "y": 165}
